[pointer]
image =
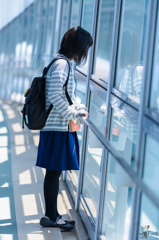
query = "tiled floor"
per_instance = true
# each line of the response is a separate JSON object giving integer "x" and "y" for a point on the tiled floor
{"x": 21, "y": 184}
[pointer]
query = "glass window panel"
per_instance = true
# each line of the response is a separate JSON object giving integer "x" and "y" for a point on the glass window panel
{"x": 94, "y": 154}
{"x": 87, "y": 17}
{"x": 97, "y": 112}
{"x": 131, "y": 48}
{"x": 80, "y": 98}
{"x": 92, "y": 173}
{"x": 151, "y": 165}
{"x": 55, "y": 40}
{"x": 123, "y": 132}
{"x": 42, "y": 27}
{"x": 64, "y": 19}
{"x": 118, "y": 203}
{"x": 104, "y": 39}
{"x": 87, "y": 14}
{"x": 154, "y": 99}
{"x": 49, "y": 27}
{"x": 74, "y": 13}
{"x": 149, "y": 220}
{"x": 37, "y": 20}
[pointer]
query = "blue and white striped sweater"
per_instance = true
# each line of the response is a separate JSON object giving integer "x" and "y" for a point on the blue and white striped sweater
{"x": 62, "y": 111}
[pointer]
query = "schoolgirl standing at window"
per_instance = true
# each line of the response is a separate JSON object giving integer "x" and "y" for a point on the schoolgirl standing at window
{"x": 58, "y": 148}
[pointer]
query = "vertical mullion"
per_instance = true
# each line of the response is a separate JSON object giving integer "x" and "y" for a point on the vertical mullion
{"x": 59, "y": 33}
{"x": 108, "y": 116}
{"x": 69, "y": 14}
{"x": 45, "y": 26}
{"x": 79, "y": 13}
{"x": 151, "y": 19}
{"x": 39, "y": 35}
{"x": 84, "y": 133}
{"x": 53, "y": 24}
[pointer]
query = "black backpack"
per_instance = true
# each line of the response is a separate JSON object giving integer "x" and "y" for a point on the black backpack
{"x": 33, "y": 112}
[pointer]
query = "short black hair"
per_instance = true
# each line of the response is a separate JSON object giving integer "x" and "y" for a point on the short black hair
{"x": 75, "y": 44}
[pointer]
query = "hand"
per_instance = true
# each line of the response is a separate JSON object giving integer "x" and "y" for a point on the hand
{"x": 84, "y": 113}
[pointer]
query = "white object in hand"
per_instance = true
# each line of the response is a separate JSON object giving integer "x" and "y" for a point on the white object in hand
{"x": 84, "y": 113}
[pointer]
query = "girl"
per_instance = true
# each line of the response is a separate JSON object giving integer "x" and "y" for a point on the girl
{"x": 58, "y": 147}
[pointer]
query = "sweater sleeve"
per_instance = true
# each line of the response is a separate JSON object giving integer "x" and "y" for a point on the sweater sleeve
{"x": 59, "y": 75}
{"x": 137, "y": 80}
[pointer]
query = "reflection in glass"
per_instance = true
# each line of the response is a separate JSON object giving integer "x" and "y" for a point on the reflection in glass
{"x": 154, "y": 100}
{"x": 118, "y": 203}
{"x": 149, "y": 220}
{"x": 94, "y": 154}
{"x": 151, "y": 165}
{"x": 104, "y": 38}
{"x": 123, "y": 131}
{"x": 80, "y": 92}
{"x": 131, "y": 48}
{"x": 97, "y": 112}
{"x": 92, "y": 172}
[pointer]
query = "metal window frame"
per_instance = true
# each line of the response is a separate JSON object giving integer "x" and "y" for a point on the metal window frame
{"x": 84, "y": 133}
{"x": 126, "y": 167}
{"x": 116, "y": 21}
{"x": 150, "y": 29}
{"x": 45, "y": 27}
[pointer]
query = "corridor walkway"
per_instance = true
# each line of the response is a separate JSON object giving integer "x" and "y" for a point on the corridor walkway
{"x": 21, "y": 185}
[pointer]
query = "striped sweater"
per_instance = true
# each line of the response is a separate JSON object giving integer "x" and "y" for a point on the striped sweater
{"x": 62, "y": 111}
{"x": 130, "y": 83}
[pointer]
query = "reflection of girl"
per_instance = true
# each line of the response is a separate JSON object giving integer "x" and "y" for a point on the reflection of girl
{"x": 129, "y": 79}
{"x": 130, "y": 73}
{"x": 124, "y": 126}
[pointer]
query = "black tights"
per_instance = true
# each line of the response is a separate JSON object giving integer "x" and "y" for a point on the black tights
{"x": 51, "y": 188}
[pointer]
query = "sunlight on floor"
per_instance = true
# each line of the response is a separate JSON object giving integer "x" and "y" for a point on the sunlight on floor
{"x": 20, "y": 149}
{"x": 3, "y": 130}
{"x": 19, "y": 139}
{"x": 17, "y": 127}
{"x": 35, "y": 236}
{"x": 6, "y": 236}
{"x": 3, "y": 141}
{"x": 3, "y": 154}
{"x": 5, "y": 212}
{"x": 25, "y": 177}
{"x": 5, "y": 185}
{"x": 66, "y": 199}
{"x": 10, "y": 114}
{"x": 1, "y": 116}
{"x": 29, "y": 205}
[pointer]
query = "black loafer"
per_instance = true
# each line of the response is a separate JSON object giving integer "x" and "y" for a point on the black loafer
{"x": 45, "y": 222}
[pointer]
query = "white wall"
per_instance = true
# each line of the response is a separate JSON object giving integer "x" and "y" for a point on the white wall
{"x": 9, "y": 9}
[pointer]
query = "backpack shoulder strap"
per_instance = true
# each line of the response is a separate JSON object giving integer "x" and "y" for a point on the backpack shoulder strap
{"x": 65, "y": 85}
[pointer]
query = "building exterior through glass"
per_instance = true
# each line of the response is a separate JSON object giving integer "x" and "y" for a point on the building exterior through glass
{"x": 116, "y": 190}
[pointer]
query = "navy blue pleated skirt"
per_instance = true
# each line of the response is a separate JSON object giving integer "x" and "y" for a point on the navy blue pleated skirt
{"x": 58, "y": 151}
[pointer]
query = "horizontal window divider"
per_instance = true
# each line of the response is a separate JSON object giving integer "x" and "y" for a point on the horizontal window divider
{"x": 101, "y": 92}
{"x": 99, "y": 81}
{"x": 122, "y": 96}
{"x": 80, "y": 77}
{"x": 82, "y": 71}
{"x": 122, "y": 162}
{"x": 151, "y": 128}
{"x": 152, "y": 115}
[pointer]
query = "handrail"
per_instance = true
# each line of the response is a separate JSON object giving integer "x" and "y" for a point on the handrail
{"x": 122, "y": 162}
